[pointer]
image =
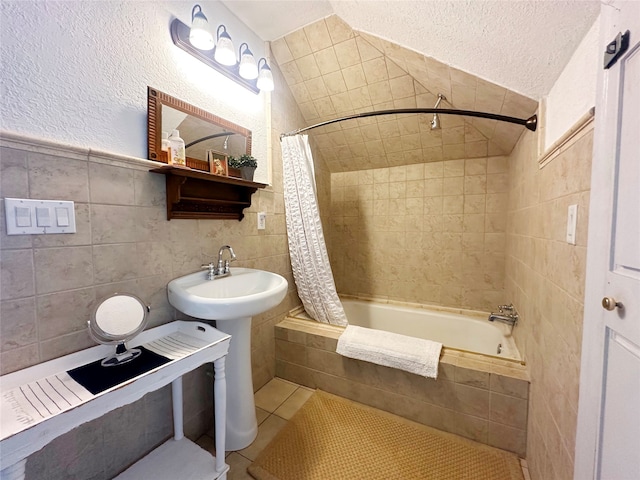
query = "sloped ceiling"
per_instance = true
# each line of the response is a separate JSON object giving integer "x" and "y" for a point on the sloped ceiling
{"x": 522, "y": 45}
{"x": 334, "y": 71}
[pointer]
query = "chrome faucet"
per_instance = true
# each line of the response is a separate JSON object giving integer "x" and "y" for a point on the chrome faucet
{"x": 222, "y": 268}
{"x": 508, "y": 314}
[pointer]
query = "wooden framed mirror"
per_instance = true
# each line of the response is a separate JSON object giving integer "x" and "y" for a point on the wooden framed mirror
{"x": 201, "y": 131}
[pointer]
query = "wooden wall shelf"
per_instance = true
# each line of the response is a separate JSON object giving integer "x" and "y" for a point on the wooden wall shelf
{"x": 197, "y": 194}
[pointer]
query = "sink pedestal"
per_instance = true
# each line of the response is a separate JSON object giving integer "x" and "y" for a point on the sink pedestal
{"x": 242, "y": 425}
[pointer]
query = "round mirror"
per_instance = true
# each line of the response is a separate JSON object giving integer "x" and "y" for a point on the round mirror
{"x": 115, "y": 320}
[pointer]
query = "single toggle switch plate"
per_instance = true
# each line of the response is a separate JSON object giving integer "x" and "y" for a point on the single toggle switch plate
{"x": 262, "y": 220}
{"x": 26, "y": 216}
{"x": 572, "y": 217}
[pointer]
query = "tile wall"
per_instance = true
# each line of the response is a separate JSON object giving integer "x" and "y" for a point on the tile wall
{"x": 334, "y": 70}
{"x": 545, "y": 279}
{"x": 427, "y": 233}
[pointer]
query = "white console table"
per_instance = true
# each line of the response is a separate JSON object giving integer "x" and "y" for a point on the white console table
{"x": 40, "y": 403}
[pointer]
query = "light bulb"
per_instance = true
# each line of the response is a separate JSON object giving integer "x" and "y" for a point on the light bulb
{"x": 199, "y": 35}
{"x": 225, "y": 54}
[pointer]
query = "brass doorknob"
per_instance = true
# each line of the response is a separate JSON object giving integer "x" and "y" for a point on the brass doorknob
{"x": 609, "y": 303}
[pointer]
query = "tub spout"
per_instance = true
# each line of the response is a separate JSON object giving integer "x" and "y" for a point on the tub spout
{"x": 508, "y": 314}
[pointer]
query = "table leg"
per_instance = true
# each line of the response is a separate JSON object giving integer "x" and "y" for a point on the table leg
{"x": 220, "y": 410}
{"x": 178, "y": 415}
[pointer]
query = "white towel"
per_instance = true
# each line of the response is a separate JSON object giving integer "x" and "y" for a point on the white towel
{"x": 411, "y": 354}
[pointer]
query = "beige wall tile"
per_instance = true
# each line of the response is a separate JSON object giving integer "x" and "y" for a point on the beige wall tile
{"x": 14, "y": 173}
{"x": 308, "y": 67}
{"x": 354, "y": 76}
{"x": 318, "y": 35}
{"x": 64, "y": 312}
{"x": 327, "y": 61}
{"x": 347, "y": 53}
{"x": 17, "y": 273}
{"x": 111, "y": 185}
{"x": 18, "y": 328}
{"x": 58, "y": 178}
{"x": 63, "y": 268}
{"x": 19, "y": 358}
{"x": 298, "y": 44}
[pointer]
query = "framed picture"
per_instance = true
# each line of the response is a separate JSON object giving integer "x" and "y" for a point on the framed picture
{"x": 218, "y": 164}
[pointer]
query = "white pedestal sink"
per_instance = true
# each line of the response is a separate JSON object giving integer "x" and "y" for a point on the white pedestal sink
{"x": 231, "y": 301}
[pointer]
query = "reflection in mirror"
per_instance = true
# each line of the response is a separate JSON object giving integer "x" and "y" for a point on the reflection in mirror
{"x": 116, "y": 320}
{"x": 200, "y": 130}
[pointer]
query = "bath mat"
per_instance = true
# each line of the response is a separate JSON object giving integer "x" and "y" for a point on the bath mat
{"x": 334, "y": 438}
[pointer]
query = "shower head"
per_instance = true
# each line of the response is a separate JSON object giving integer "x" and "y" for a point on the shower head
{"x": 435, "y": 121}
{"x": 226, "y": 142}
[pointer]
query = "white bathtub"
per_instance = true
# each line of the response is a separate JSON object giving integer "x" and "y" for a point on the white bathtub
{"x": 469, "y": 333}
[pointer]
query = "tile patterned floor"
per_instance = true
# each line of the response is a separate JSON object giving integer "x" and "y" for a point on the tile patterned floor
{"x": 276, "y": 403}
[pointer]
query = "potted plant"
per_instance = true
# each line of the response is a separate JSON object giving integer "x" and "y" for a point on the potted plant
{"x": 246, "y": 164}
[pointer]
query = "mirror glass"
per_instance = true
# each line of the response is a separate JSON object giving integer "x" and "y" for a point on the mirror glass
{"x": 200, "y": 130}
{"x": 117, "y": 318}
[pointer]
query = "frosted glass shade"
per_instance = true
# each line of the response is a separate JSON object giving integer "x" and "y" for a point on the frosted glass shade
{"x": 200, "y": 36}
{"x": 248, "y": 68}
{"x": 265, "y": 79}
{"x": 225, "y": 54}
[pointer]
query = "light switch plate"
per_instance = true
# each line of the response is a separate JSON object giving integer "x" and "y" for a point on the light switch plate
{"x": 25, "y": 216}
{"x": 262, "y": 220}
{"x": 572, "y": 217}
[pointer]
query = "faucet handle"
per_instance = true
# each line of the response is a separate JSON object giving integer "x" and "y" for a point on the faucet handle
{"x": 208, "y": 266}
{"x": 509, "y": 307}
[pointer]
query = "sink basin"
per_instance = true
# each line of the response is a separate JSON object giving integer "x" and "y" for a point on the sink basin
{"x": 244, "y": 293}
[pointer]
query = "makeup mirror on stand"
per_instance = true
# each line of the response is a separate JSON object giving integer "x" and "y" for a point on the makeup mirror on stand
{"x": 114, "y": 321}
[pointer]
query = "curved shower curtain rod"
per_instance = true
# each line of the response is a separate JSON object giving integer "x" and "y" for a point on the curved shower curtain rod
{"x": 530, "y": 123}
{"x": 209, "y": 137}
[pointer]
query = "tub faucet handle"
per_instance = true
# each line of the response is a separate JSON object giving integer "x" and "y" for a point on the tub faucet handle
{"x": 508, "y": 308}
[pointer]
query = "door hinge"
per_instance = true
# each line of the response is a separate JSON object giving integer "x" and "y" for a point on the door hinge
{"x": 615, "y": 49}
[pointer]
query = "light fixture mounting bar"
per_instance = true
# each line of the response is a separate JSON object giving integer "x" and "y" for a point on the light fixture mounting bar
{"x": 180, "y": 36}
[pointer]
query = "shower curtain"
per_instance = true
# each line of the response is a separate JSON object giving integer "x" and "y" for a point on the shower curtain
{"x": 309, "y": 258}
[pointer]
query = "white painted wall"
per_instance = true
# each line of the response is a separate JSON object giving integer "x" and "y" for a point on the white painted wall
{"x": 77, "y": 72}
{"x": 574, "y": 93}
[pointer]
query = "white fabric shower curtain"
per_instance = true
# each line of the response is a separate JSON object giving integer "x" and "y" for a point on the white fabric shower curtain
{"x": 309, "y": 258}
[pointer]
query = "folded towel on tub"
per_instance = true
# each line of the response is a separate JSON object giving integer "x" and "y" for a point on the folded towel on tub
{"x": 411, "y": 354}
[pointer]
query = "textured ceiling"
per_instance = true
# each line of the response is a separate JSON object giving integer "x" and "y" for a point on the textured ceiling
{"x": 333, "y": 71}
{"x": 522, "y": 45}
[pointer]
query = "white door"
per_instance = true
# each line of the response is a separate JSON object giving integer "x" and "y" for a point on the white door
{"x": 608, "y": 436}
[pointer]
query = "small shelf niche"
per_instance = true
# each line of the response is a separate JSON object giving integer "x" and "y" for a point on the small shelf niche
{"x": 201, "y": 195}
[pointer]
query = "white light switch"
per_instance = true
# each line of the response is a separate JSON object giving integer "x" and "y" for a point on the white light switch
{"x": 43, "y": 217}
{"x": 572, "y": 217}
{"x": 62, "y": 217}
{"x": 25, "y": 216}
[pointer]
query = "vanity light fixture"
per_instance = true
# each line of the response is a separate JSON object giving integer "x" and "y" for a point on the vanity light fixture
{"x": 199, "y": 35}
{"x": 248, "y": 68}
{"x": 265, "y": 78}
{"x": 225, "y": 53}
{"x": 220, "y": 54}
